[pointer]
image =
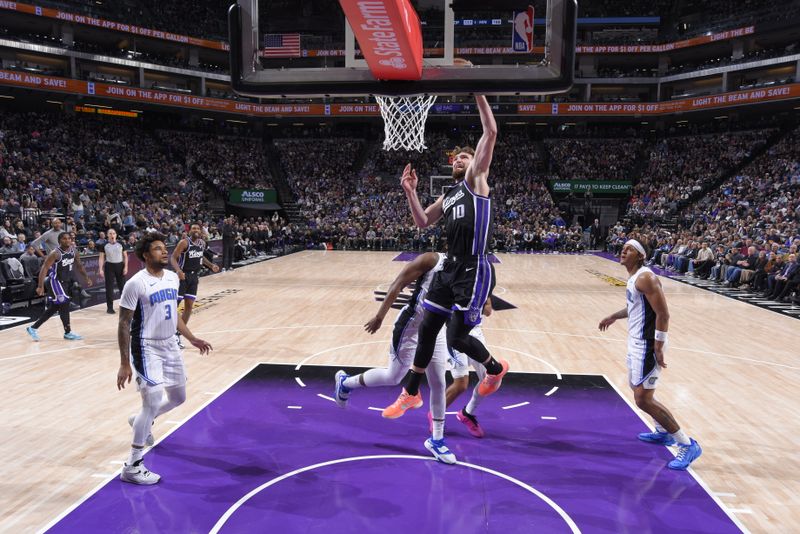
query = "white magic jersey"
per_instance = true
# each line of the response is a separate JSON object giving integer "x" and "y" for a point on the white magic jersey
{"x": 154, "y": 302}
{"x": 641, "y": 317}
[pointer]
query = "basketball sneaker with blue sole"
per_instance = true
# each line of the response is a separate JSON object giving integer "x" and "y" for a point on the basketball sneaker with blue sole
{"x": 440, "y": 451}
{"x": 33, "y": 333}
{"x": 686, "y": 455}
{"x": 72, "y": 336}
{"x": 341, "y": 394}
{"x": 658, "y": 438}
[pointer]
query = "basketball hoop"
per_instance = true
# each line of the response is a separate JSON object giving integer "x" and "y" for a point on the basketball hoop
{"x": 404, "y": 121}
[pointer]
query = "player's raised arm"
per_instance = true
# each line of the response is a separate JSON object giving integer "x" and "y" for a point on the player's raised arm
{"x": 478, "y": 171}
{"x": 412, "y": 271}
{"x": 423, "y": 217}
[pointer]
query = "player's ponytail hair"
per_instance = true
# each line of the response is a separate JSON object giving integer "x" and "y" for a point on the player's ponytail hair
{"x": 143, "y": 245}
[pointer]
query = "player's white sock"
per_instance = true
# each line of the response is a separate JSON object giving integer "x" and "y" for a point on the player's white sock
{"x": 681, "y": 437}
{"x": 352, "y": 382}
{"x": 474, "y": 402}
{"x": 659, "y": 428}
{"x": 438, "y": 428}
{"x": 135, "y": 456}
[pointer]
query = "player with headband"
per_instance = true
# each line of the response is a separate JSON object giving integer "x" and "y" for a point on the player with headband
{"x": 648, "y": 322}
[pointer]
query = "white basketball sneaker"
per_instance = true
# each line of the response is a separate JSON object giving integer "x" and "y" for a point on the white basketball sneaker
{"x": 138, "y": 474}
{"x": 440, "y": 451}
{"x": 150, "y": 440}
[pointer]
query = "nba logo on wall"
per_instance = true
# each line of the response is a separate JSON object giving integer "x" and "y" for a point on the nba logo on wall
{"x": 90, "y": 88}
{"x": 522, "y": 31}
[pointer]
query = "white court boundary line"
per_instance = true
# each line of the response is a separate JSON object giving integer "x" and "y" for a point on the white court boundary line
{"x": 515, "y": 330}
{"x": 560, "y": 511}
{"x": 691, "y": 471}
{"x": 100, "y": 486}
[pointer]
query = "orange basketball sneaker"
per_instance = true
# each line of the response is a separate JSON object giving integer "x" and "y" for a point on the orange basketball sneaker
{"x": 491, "y": 383}
{"x": 404, "y": 402}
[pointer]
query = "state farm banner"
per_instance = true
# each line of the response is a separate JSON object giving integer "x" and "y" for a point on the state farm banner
{"x": 65, "y": 16}
{"x": 389, "y": 35}
{"x": 137, "y": 94}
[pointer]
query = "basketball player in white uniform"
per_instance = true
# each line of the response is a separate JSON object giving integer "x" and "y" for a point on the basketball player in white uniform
{"x": 147, "y": 346}
{"x": 402, "y": 349}
{"x": 648, "y": 321}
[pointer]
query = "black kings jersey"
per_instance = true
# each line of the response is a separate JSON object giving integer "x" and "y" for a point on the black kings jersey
{"x": 62, "y": 268}
{"x": 468, "y": 221}
{"x": 192, "y": 257}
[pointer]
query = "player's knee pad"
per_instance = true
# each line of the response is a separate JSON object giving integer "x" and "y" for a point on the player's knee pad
{"x": 176, "y": 395}
{"x": 152, "y": 397}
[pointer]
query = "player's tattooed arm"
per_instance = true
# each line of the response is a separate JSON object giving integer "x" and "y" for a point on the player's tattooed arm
{"x": 124, "y": 338}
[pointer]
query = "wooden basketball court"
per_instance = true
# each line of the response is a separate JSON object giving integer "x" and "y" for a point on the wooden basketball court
{"x": 732, "y": 380}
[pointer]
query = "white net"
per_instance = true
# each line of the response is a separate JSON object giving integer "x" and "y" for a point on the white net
{"x": 404, "y": 121}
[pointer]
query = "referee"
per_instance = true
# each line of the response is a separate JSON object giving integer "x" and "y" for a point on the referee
{"x": 113, "y": 266}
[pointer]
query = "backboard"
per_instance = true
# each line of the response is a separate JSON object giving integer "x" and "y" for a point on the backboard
{"x": 548, "y": 71}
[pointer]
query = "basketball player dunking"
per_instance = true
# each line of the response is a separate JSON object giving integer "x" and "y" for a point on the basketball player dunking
{"x": 459, "y": 291}
{"x": 648, "y": 322}
{"x": 55, "y": 275}
{"x": 148, "y": 320}
{"x": 187, "y": 259}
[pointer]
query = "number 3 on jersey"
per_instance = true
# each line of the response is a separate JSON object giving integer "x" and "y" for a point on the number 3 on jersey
{"x": 458, "y": 212}
{"x": 169, "y": 313}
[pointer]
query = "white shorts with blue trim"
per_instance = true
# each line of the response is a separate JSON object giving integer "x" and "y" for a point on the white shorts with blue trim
{"x": 643, "y": 370}
{"x": 162, "y": 364}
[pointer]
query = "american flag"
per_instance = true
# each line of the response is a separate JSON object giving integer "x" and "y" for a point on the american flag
{"x": 282, "y": 45}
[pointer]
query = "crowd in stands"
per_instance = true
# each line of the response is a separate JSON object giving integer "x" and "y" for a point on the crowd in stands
{"x": 349, "y": 197}
{"x": 368, "y": 210}
{"x": 679, "y": 167}
{"x": 744, "y": 233}
{"x": 222, "y": 162}
{"x": 594, "y": 159}
{"x": 74, "y": 166}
